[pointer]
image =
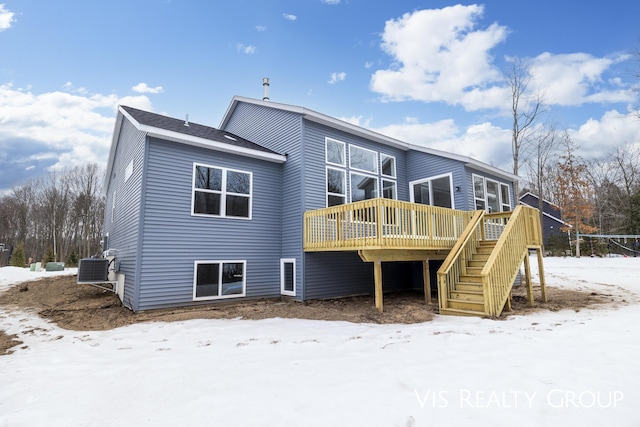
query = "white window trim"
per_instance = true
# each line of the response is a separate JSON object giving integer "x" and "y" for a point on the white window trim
{"x": 429, "y": 179}
{"x": 284, "y": 261}
{"x": 394, "y": 176}
{"x": 375, "y": 163}
{"x": 223, "y": 192}
{"x": 220, "y": 262}
{"x": 326, "y": 152}
{"x": 484, "y": 190}
{"x": 113, "y": 206}
{"x": 128, "y": 171}
{"x": 502, "y": 202}
{"x": 498, "y": 195}
{"x": 326, "y": 181}
{"x": 368, "y": 175}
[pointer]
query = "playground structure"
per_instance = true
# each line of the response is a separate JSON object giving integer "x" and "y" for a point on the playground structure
{"x": 622, "y": 244}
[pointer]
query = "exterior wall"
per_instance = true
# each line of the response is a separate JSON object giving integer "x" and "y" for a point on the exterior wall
{"x": 174, "y": 238}
{"x": 122, "y": 223}
{"x": 281, "y": 132}
{"x": 424, "y": 165}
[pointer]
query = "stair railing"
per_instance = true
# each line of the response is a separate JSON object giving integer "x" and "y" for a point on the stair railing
{"x": 455, "y": 264}
{"x": 521, "y": 231}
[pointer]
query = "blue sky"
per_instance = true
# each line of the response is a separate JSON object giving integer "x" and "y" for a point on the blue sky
{"x": 427, "y": 72}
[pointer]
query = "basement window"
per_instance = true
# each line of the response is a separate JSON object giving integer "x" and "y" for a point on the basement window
{"x": 219, "y": 280}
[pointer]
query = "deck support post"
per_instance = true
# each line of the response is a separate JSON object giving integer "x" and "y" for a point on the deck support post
{"x": 426, "y": 279}
{"x": 543, "y": 285}
{"x": 377, "y": 272}
{"x": 527, "y": 274}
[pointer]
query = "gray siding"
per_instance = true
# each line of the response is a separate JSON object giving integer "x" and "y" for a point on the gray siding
{"x": 342, "y": 273}
{"x": 424, "y": 165}
{"x": 174, "y": 239}
{"x": 124, "y": 229}
{"x": 279, "y": 131}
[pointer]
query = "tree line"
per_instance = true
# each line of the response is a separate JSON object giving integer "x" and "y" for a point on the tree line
{"x": 596, "y": 196}
{"x": 57, "y": 218}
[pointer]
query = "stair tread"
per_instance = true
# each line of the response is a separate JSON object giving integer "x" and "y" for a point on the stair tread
{"x": 460, "y": 312}
{"x": 454, "y": 300}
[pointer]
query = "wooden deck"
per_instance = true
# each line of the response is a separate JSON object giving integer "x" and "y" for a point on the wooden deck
{"x": 385, "y": 230}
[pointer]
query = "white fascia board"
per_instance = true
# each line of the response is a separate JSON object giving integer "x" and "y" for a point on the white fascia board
{"x": 210, "y": 144}
{"x": 334, "y": 123}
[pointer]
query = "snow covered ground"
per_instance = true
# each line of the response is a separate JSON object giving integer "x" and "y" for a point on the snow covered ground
{"x": 551, "y": 368}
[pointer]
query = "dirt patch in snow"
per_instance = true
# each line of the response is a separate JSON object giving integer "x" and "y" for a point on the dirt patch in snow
{"x": 83, "y": 307}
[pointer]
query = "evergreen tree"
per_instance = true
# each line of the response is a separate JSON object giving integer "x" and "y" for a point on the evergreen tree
{"x": 17, "y": 257}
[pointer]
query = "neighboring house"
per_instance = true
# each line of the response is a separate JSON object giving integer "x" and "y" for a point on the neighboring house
{"x": 552, "y": 222}
{"x": 199, "y": 215}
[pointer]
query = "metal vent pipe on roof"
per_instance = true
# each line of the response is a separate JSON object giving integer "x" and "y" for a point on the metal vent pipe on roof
{"x": 265, "y": 84}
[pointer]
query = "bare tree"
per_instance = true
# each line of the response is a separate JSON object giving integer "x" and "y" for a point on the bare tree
{"x": 543, "y": 146}
{"x": 526, "y": 108}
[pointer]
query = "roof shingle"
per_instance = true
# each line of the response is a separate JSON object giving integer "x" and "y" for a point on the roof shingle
{"x": 193, "y": 129}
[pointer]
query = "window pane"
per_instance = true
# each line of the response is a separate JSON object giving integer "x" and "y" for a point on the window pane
{"x": 506, "y": 199}
{"x": 288, "y": 277}
{"x": 335, "y": 152}
{"x": 363, "y": 187}
{"x": 207, "y": 277}
{"x": 208, "y": 178}
{"x": 207, "y": 203}
{"x": 335, "y": 200}
{"x": 441, "y": 192}
{"x": 238, "y": 182}
{"x": 238, "y": 206}
{"x": 421, "y": 193}
{"x": 232, "y": 278}
{"x": 492, "y": 196}
{"x": 478, "y": 187}
{"x": 389, "y": 189}
{"x": 363, "y": 159}
{"x": 388, "y": 165}
{"x": 335, "y": 181}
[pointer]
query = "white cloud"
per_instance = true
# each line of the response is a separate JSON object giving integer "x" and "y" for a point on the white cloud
{"x": 331, "y": 2}
{"x": 439, "y": 55}
{"x": 66, "y": 128}
{"x": 484, "y": 141}
{"x": 368, "y": 64}
{"x": 337, "y": 77}
{"x": 357, "y": 120}
{"x": 289, "y": 17}
{"x": 598, "y": 137}
{"x": 577, "y": 78}
{"x": 261, "y": 28}
{"x": 248, "y": 49}
{"x": 143, "y": 88}
{"x": 6, "y": 18}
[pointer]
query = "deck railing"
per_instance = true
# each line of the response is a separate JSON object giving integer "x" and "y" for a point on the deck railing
{"x": 383, "y": 224}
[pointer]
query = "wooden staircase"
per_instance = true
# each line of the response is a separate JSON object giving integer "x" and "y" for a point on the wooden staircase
{"x": 477, "y": 276}
{"x": 467, "y": 297}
